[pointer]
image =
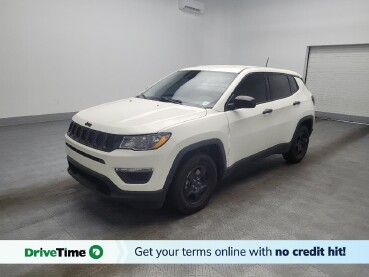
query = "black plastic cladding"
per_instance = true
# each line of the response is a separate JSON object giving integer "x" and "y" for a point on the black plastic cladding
{"x": 94, "y": 139}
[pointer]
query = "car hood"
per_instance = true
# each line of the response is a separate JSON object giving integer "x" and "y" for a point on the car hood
{"x": 136, "y": 116}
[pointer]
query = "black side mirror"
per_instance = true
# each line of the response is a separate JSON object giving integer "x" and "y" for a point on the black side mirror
{"x": 242, "y": 101}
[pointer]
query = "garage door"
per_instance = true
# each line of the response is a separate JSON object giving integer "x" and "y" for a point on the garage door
{"x": 338, "y": 76}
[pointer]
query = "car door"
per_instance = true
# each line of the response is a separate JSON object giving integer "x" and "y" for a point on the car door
{"x": 285, "y": 107}
{"x": 249, "y": 128}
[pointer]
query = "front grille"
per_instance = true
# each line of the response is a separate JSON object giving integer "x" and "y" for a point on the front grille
{"x": 94, "y": 139}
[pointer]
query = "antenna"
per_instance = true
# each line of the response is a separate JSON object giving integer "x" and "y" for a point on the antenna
{"x": 266, "y": 64}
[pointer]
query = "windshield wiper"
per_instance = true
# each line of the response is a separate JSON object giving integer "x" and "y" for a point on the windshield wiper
{"x": 141, "y": 96}
{"x": 171, "y": 100}
{"x": 162, "y": 99}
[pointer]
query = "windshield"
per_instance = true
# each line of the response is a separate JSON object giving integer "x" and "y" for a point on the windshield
{"x": 191, "y": 87}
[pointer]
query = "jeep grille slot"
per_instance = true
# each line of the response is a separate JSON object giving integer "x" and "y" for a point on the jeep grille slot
{"x": 94, "y": 139}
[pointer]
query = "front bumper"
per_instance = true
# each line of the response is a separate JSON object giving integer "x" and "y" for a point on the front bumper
{"x": 106, "y": 188}
{"x": 106, "y": 163}
{"x": 97, "y": 170}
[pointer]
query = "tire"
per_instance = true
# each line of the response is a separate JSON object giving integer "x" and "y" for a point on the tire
{"x": 193, "y": 184}
{"x": 299, "y": 146}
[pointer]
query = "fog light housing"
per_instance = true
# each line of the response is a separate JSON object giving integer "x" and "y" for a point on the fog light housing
{"x": 134, "y": 175}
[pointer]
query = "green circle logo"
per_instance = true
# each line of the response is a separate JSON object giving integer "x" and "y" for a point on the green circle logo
{"x": 96, "y": 252}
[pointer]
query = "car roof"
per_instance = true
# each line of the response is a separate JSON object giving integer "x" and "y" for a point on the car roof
{"x": 222, "y": 68}
{"x": 239, "y": 68}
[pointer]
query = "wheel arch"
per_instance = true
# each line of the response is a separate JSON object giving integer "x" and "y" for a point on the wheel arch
{"x": 307, "y": 121}
{"x": 213, "y": 147}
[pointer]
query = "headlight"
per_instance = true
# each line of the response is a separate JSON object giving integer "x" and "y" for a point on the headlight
{"x": 144, "y": 142}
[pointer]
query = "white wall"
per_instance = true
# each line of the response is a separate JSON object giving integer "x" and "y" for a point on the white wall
{"x": 283, "y": 29}
{"x": 218, "y": 31}
{"x": 64, "y": 55}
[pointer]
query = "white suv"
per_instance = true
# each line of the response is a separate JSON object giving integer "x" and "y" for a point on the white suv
{"x": 176, "y": 140}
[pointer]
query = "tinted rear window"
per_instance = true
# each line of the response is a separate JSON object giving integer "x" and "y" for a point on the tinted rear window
{"x": 293, "y": 84}
{"x": 279, "y": 87}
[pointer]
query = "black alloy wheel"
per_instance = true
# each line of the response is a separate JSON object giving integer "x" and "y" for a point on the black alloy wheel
{"x": 302, "y": 142}
{"x": 196, "y": 184}
{"x": 299, "y": 146}
{"x": 193, "y": 183}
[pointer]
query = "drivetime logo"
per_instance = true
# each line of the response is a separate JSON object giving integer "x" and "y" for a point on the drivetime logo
{"x": 95, "y": 252}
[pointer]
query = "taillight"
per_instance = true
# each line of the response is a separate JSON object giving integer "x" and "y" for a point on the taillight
{"x": 313, "y": 99}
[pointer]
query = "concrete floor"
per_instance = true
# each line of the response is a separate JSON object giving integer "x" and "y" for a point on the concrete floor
{"x": 324, "y": 197}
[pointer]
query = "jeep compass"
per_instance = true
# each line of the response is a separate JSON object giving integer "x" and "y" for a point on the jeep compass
{"x": 176, "y": 140}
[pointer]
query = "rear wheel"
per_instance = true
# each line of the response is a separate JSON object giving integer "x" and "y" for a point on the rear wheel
{"x": 299, "y": 146}
{"x": 193, "y": 184}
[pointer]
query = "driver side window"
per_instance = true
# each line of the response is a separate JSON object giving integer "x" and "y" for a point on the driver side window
{"x": 253, "y": 85}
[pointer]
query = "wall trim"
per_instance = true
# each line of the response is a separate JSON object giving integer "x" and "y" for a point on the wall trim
{"x": 35, "y": 118}
{"x": 342, "y": 117}
{"x": 10, "y": 121}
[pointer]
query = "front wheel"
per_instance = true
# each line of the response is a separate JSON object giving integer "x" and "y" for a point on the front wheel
{"x": 193, "y": 184}
{"x": 299, "y": 146}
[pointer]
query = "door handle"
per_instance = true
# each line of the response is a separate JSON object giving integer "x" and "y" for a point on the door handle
{"x": 296, "y": 103}
{"x": 267, "y": 111}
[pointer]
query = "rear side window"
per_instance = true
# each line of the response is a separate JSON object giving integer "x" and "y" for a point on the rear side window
{"x": 279, "y": 86}
{"x": 253, "y": 85}
{"x": 294, "y": 86}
